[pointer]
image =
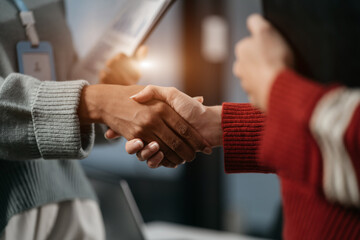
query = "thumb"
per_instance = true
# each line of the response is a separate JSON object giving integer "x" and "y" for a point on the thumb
{"x": 141, "y": 53}
{"x": 257, "y": 24}
{"x": 155, "y": 93}
{"x": 200, "y": 99}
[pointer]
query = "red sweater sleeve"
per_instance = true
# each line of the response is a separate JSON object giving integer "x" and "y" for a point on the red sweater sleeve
{"x": 289, "y": 145}
{"x": 300, "y": 121}
{"x": 352, "y": 141}
{"x": 308, "y": 138}
{"x": 287, "y": 138}
{"x": 242, "y": 130}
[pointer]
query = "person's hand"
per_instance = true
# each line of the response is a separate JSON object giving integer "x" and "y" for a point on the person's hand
{"x": 123, "y": 70}
{"x": 260, "y": 58}
{"x": 151, "y": 121}
{"x": 207, "y": 120}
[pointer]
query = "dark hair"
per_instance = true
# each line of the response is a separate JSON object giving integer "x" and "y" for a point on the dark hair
{"x": 325, "y": 35}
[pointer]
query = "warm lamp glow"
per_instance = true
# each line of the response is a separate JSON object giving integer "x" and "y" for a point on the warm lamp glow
{"x": 146, "y": 64}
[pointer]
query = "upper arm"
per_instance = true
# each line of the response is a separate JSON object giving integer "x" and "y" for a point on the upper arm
{"x": 334, "y": 125}
{"x": 312, "y": 136}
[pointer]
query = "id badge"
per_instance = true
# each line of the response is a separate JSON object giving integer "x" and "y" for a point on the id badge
{"x": 37, "y": 62}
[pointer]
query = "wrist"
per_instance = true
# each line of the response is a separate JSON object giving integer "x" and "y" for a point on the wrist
{"x": 98, "y": 103}
{"x": 88, "y": 110}
{"x": 211, "y": 129}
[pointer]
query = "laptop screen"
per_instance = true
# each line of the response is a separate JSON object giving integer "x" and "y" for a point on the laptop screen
{"x": 122, "y": 218}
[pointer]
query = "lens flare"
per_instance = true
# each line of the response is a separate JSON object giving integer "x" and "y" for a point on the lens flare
{"x": 146, "y": 64}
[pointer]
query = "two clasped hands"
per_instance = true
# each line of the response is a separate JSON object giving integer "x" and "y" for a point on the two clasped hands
{"x": 166, "y": 127}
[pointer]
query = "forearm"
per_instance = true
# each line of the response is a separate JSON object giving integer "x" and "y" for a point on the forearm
{"x": 39, "y": 120}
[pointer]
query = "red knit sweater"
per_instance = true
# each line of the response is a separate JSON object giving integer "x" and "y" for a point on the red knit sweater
{"x": 287, "y": 147}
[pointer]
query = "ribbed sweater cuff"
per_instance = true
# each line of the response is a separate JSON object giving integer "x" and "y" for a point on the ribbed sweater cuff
{"x": 56, "y": 124}
{"x": 242, "y": 131}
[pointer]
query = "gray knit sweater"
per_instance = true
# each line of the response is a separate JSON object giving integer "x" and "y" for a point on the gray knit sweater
{"x": 38, "y": 120}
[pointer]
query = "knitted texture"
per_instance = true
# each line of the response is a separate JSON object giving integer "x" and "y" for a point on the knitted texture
{"x": 242, "y": 127}
{"x": 56, "y": 124}
{"x": 352, "y": 140}
{"x": 287, "y": 146}
{"x": 33, "y": 183}
{"x": 39, "y": 119}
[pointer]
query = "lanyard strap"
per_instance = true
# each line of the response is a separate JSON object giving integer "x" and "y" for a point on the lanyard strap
{"x": 28, "y": 21}
{"x": 21, "y": 5}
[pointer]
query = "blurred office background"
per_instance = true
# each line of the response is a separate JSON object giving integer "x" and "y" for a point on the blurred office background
{"x": 192, "y": 49}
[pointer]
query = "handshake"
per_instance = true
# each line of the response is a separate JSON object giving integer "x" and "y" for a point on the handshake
{"x": 163, "y": 125}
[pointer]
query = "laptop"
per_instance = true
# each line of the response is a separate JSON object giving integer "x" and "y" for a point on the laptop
{"x": 121, "y": 215}
{"x": 123, "y": 220}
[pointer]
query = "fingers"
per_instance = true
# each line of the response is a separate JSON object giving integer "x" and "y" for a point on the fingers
{"x": 146, "y": 152}
{"x": 166, "y": 163}
{"x": 241, "y": 49}
{"x": 155, "y": 158}
{"x": 134, "y": 146}
{"x": 236, "y": 70}
{"x": 121, "y": 70}
{"x": 150, "y": 153}
{"x": 186, "y": 132}
{"x": 110, "y": 135}
{"x": 106, "y": 76}
{"x": 155, "y": 161}
{"x": 175, "y": 149}
{"x": 257, "y": 24}
{"x": 141, "y": 53}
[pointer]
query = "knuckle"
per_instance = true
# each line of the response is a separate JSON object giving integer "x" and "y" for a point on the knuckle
{"x": 166, "y": 163}
{"x": 176, "y": 145}
{"x": 139, "y": 131}
{"x": 199, "y": 144}
{"x": 172, "y": 90}
{"x": 150, "y": 88}
{"x": 149, "y": 119}
{"x": 167, "y": 152}
{"x": 143, "y": 155}
{"x": 264, "y": 28}
{"x": 175, "y": 160}
{"x": 183, "y": 129}
{"x": 160, "y": 108}
{"x": 139, "y": 157}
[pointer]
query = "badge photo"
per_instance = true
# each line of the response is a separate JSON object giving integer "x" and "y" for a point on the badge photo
{"x": 37, "y": 62}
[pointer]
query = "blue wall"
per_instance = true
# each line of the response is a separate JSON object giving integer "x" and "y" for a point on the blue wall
{"x": 251, "y": 200}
